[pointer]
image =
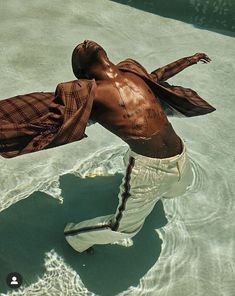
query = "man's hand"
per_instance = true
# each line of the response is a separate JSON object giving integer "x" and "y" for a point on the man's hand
{"x": 201, "y": 57}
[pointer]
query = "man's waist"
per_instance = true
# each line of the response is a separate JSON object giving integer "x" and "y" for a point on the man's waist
{"x": 161, "y": 144}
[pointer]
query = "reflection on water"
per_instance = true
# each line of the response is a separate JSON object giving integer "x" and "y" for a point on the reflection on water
{"x": 212, "y": 14}
{"x": 208, "y": 206}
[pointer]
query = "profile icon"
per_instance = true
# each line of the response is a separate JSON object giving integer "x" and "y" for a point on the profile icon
{"x": 14, "y": 280}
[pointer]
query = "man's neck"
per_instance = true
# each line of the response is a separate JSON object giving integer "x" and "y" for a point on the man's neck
{"x": 105, "y": 71}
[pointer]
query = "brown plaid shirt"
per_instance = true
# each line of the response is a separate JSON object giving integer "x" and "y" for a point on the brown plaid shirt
{"x": 42, "y": 120}
{"x": 184, "y": 100}
{"x": 37, "y": 121}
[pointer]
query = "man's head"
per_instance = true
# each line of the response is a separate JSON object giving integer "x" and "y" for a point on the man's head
{"x": 85, "y": 56}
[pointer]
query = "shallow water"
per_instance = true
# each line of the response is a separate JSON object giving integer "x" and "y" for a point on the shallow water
{"x": 192, "y": 251}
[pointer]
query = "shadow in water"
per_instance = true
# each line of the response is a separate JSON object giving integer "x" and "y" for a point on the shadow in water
{"x": 34, "y": 226}
{"x": 213, "y": 15}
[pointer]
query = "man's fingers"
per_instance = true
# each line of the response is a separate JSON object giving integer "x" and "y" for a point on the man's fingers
{"x": 207, "y": 58}
{"x": 202, "y": 57}
{"x": 205, "y": 61}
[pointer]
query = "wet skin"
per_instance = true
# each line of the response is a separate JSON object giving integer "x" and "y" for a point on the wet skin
{"x": 125, "y": 105}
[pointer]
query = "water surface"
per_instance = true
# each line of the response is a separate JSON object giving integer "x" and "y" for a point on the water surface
{"x": 187, "y": 245}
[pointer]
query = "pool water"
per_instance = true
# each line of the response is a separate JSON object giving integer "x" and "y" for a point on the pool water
{"x": 187, "y": 245}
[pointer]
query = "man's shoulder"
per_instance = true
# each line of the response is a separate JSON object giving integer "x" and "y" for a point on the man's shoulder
{"x": 128, "y": 62}
{"x": 133, "y": 66}
{"x": 76, "y": 84}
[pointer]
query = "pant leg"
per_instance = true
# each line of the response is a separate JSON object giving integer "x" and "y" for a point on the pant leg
{"x": 99, "y": 230}
{"x": 135, "y": 204}
{"x": 144, "y": 192}
{"x": 85, "y": 234}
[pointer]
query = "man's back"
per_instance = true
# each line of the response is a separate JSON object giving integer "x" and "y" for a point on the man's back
{"x": 127, "y": 107}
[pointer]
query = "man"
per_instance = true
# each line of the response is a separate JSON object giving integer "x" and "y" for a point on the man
{"x": 157, "y": 164}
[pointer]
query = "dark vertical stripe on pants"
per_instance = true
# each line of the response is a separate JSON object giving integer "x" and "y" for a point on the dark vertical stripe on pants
{"x": 125, "y": 194}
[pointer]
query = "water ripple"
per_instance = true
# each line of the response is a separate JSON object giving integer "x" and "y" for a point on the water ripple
{"x": 208, "y": 197}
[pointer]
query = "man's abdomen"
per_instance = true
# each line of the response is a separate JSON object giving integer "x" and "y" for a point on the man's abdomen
{"x": 164, "y": 144}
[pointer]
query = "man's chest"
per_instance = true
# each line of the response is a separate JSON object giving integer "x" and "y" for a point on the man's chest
{"x": 123, "y": 103}
{"x": 127, "y": 93}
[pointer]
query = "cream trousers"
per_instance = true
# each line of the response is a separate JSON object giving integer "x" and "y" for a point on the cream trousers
{"x": 146, "y": 181}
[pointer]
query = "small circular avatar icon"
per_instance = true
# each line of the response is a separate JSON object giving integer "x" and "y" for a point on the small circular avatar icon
{"x": 14, "y": 280}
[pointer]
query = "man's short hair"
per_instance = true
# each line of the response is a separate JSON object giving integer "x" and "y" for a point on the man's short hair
{"x": 77, "y": 70}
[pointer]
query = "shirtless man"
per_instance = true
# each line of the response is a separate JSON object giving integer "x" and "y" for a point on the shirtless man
{"x": 157, "y": 164}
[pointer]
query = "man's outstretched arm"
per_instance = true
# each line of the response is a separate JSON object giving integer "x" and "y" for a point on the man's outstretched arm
{"x": 168, "y": 71}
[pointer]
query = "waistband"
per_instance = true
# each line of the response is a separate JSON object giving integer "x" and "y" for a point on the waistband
{"x": 151, "y": 160}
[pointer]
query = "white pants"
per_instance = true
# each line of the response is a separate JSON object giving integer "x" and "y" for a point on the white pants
{"x": 146, "y": 181}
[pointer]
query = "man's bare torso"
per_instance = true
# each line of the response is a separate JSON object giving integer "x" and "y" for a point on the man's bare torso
{"x": 127, "y": 107}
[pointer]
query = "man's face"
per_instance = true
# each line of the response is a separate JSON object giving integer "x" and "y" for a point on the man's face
{"x": 88, "y": 53}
